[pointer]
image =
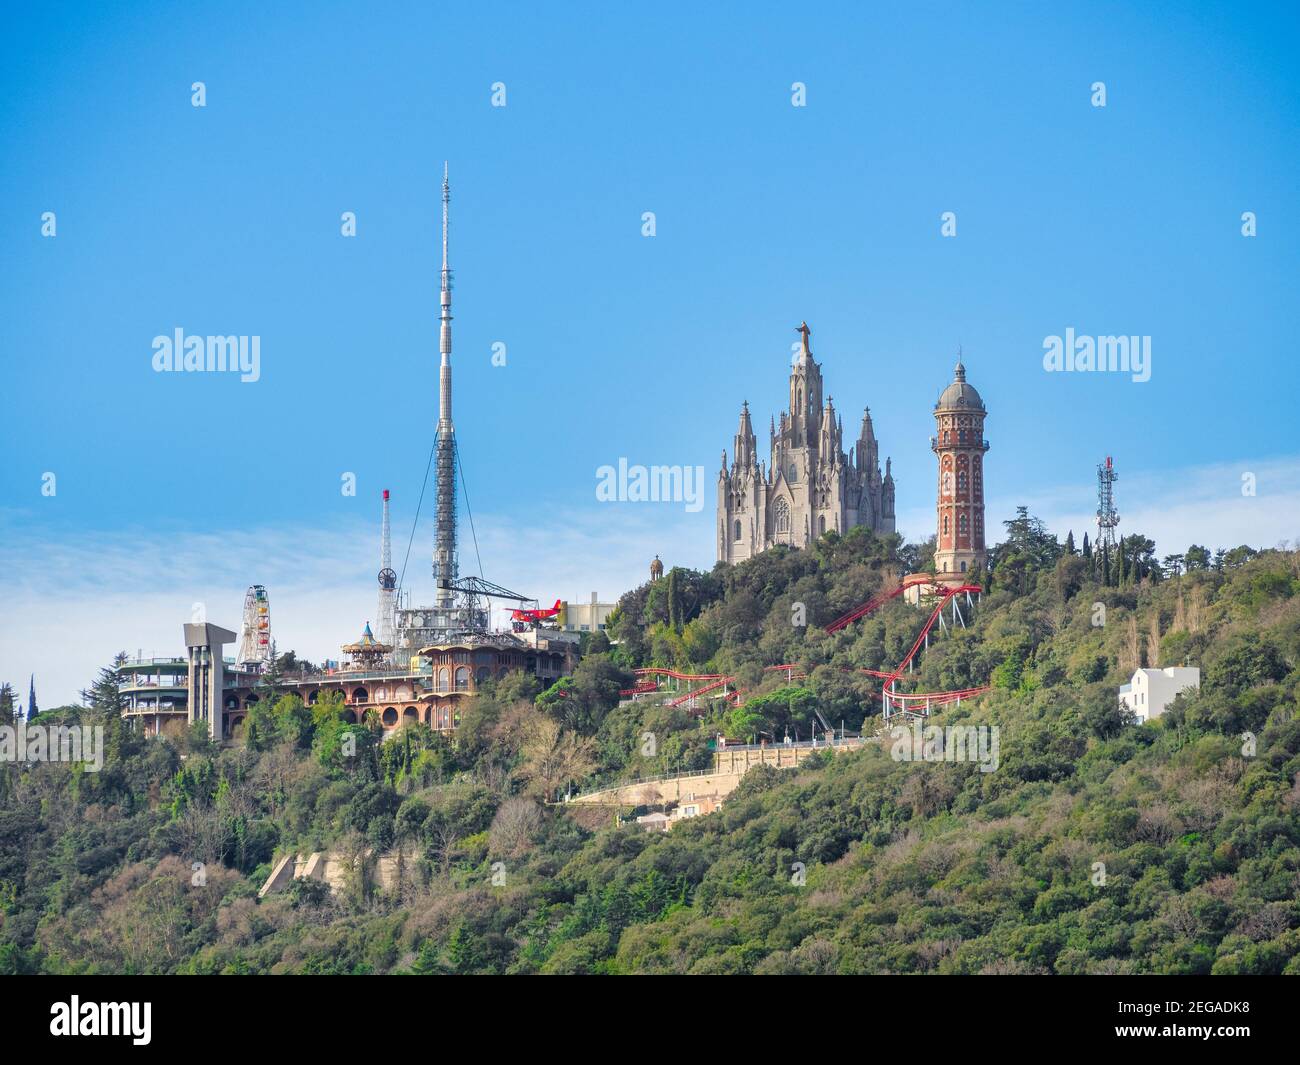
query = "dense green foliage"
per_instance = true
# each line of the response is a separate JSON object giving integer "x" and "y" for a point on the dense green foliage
{"x": 1096, "y": 845}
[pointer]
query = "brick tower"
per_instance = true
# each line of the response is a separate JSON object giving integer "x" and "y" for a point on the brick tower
{"x": 960, "y": 445}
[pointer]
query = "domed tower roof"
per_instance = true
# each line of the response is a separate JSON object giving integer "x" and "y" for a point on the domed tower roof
{"x": 960, "y": 393}
{"x": 656, "y": 569}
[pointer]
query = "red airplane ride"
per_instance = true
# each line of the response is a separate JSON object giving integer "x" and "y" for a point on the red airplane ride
{"x": 534, "y": 616}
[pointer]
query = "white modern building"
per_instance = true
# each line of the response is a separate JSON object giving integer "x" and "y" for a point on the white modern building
{"x": 586, "y": 617}
{"x": 1151, "y": 691}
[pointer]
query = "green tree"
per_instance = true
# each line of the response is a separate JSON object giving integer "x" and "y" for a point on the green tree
{"x": 286, "y": 720}
{"x": 580, "y": 702}
{"x": 105, "y": 694}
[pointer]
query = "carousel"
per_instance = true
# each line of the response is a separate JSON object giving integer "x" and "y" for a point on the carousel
{"x": 367, "y": 653}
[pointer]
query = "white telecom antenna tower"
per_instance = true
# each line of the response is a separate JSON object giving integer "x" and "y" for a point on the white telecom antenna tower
{"x": 387, "y": 584}
{"x": 255, "y": 633}
{"x": 446, "y": 571}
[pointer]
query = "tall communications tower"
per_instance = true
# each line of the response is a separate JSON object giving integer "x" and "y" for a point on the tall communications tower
{"x": 445, "y": 570}
{"x": 1107, "y": 515}
{"x": 255, "y": 633}
{"x": 459, "y": 603}
{"x": 387, "y": 583}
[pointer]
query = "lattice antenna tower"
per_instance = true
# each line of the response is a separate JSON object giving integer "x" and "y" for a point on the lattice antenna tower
{"x": 387, "y": 613}
{"x": 445, "y": 569}
{"x": 1107, "y": 515}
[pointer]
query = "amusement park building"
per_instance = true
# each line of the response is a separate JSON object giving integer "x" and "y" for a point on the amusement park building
{"x": 164, "y": 696}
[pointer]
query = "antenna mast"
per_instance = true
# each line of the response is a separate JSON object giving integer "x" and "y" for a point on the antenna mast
{"x": 1107, "y": 515}
{"x": 387, "y": 582}
{"x": 459, "y": 603}
{"x": 445, "y": 570}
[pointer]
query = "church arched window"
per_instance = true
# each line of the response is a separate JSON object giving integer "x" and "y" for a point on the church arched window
{"x": 962, "y": 525}
{"x": 961, "y": 480}
{"x": 736, "y": 532}
{"x": 945, "y": 525}
{"x": 821, "y": 524}
{"x": 794, "y": 472}
{"x": 781, "y": 516}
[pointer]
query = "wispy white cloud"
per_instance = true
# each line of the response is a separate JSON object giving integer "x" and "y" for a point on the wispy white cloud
{"x": 1175, "y": 508}
{"x": 71, "y": 602}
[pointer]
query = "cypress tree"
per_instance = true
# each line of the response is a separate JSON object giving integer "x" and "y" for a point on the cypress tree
{"x": 674, "y": 601}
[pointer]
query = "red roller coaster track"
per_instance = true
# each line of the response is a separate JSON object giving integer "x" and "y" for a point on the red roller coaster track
{"x": 863, "y": 609}
{"x": 920, "y": 702}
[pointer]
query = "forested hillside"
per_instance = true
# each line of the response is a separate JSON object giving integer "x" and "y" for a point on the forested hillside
{"x": 1097, "y": 845}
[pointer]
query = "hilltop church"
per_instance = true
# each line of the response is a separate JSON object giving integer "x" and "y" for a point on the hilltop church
{"x": 811, "y": 485}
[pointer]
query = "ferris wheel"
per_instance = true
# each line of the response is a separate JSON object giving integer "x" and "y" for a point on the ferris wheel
{"x": 255, "y": 634}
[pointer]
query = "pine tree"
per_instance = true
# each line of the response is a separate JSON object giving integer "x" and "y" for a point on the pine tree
{"x": 272, "y": 679}
{"x": 105, "y": 699}
{"x": 105, "y": 694}
{"x": 8, "y": 701}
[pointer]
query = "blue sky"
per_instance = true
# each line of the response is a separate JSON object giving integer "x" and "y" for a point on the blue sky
{"x": 176, "y": 488}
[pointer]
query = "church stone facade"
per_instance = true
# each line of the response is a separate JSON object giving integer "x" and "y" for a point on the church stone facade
{"x": 811, "y": 484}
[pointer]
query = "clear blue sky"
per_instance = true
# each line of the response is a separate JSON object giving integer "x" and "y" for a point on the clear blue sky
{"x": 225, "y": 220}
